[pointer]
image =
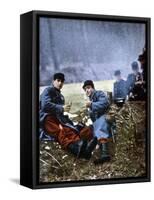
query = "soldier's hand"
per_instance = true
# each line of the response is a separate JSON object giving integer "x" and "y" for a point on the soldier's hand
{"x": 88, "y": 104}
{"x": 67, "y": 108}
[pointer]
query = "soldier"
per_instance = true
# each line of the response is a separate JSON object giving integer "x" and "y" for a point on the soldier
{"x": 143, "y": 61}
{"x": 97, "y": 106}
{"x": 59, "y": 126}
{"x": 120, "y": 90}
{"x": 134, "y": 83}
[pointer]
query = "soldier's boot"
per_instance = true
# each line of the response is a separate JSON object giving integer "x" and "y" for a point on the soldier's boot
{"x": 89, "y": 149}
{"x": 104, "y": 154}
{"x": 77, "y": 148}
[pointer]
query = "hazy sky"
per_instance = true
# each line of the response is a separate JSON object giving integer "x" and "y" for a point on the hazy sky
{"x": 86, "y": 49}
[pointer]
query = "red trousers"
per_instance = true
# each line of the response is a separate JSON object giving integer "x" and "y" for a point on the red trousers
{"x": 65, "y": 135}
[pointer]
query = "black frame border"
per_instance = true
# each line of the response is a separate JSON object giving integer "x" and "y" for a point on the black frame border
{"x": 29, "y": 98}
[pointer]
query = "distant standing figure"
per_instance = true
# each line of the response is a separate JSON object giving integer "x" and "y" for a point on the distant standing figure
{"x": 134, "y": 83}
{"x": 120, "y": 90}
{"x": 143, "y": 62}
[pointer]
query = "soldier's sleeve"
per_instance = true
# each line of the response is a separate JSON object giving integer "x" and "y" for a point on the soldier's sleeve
{"x": 114, "y": 90}
{"x": 128, "y": 84}
{"x": 47, "y": 105}
{"x": 125, "y": 88}
{"x": 101, "y": 104}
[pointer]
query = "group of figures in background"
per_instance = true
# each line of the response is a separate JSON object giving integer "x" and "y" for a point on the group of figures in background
{"x": 81, "y": 139}
{"x": 134, "y": 88}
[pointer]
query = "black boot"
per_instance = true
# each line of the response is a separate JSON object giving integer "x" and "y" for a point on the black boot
{"x": 89, "y": 149}
{"x": 78, "y": 147}
{"x": 105, "y": 156}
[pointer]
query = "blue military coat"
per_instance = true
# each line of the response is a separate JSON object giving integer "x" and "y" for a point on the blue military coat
{"x": 51, "y": 103}
{"x": 137, "y": 90}
{"x": 130, "y": 82}
{"x": 97, "y": 111}
{"x": 120, "y": 89}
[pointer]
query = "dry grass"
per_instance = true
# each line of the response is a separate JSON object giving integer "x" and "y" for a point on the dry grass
{"x": 128, "y": 153}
